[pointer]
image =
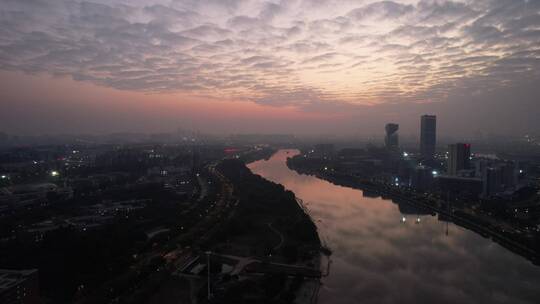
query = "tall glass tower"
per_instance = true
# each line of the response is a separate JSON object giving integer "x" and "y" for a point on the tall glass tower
{"x": 428, "y": 135}
{"x": 391, "y": 140}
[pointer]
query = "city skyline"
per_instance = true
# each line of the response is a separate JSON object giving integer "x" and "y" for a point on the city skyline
{"x": 269, "y": 151}
{"x": 301, "y": 67}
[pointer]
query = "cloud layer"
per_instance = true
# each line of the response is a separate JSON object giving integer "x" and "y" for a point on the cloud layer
{"x": 302, "y": 53}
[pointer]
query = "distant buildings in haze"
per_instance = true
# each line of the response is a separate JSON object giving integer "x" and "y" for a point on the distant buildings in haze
{"x": 323, "y": 150}
{"x": 464, "y": 176}
{"x": 459, "y": 157}
{"x": 422, "y": 178}
{"x": 391, "y": 139}
{"x": 428, "y": 135}
{"x": 498, "y": 177}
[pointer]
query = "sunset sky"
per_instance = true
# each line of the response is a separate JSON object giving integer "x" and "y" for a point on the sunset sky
{"x": 246, "y": 66}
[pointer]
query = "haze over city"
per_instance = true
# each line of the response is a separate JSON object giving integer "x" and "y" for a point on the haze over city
{"x": 269, "y": 151}
{"x": 241, "y": 66}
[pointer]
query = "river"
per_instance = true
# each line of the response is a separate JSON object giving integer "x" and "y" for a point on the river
{"x": 386, "y": 254}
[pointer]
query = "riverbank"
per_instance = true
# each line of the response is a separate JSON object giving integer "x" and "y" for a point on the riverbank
{"x": 257, "y": 154}
{"x": 272, "y": 234}
{"x": 373, "y": 247}
{"x": 458, "y": 217}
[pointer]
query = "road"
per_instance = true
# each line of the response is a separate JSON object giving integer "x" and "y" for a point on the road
{"x": 253, "y": 265}
{"x": 281, "y": 238}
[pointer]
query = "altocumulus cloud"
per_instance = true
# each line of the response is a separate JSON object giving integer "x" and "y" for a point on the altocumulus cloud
{"x": 300, "y": 52}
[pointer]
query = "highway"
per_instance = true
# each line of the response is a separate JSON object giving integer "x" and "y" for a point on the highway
{"x": 251, "y": 265}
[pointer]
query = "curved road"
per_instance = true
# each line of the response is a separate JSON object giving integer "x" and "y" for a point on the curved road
{"x": 282, "y": 239}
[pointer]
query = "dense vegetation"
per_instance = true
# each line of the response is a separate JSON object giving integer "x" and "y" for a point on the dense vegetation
{"x": 255, "y": 155}
{"x": 264, "y": 203}
{"x": 269, "y": 223}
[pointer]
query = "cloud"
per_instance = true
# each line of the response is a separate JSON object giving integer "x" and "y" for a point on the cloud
{"x": 351, "y": 52}
{"x": 381, "y": 10}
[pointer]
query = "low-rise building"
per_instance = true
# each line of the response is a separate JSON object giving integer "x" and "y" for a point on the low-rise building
{"x": 470, "y": 187}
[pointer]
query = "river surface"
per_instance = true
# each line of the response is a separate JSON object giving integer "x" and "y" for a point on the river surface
{"x": 379, "y": 258}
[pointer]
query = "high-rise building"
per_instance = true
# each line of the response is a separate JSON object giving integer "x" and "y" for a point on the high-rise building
{"x": 392, "y": 139}
{"x": 509, "y": 174}
{"x": 480, "y": 167}
{"x": 422, "y": 178}
{"x": 492, "y": 181}
{"x": 428, "y": 135}
{"x": 459, "y": 156}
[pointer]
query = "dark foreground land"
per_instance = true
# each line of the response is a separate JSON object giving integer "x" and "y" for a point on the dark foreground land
{"x": 263, "y": 203}
{"x": 268, "y": 226}
{"x": 141, "y": 224}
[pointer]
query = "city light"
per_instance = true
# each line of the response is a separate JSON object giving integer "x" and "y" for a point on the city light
{"x": 275, "y": 134}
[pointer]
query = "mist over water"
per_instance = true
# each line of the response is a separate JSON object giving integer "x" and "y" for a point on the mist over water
{"x": 378, "y": 258}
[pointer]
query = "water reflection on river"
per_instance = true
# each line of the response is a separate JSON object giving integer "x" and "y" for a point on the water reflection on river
{"x": 378, "y": 258}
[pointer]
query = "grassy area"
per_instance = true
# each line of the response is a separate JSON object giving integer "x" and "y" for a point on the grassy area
{"x": 261, "y": 203}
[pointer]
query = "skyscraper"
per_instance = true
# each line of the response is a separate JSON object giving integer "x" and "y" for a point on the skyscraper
{"x": 428, "y": 135}
{"x": 422, "y": 178}
{"x": 391, "y": 140}
{"x": 509, "y": 174}
{"x": 492, "y": 181}
{"x": 459, "y": 156}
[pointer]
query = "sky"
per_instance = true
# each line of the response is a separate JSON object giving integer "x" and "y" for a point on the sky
{"x": 246, "y": 66}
